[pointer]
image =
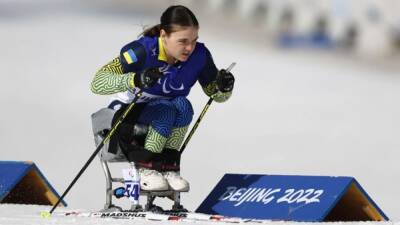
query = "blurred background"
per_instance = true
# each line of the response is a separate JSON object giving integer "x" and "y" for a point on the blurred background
{"x": 317, "y": 83}
{"x": 366, "y": 28}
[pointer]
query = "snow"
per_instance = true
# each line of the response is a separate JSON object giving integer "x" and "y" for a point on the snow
{"x": 292, "y": 112}
{"x": 30, "y": 215}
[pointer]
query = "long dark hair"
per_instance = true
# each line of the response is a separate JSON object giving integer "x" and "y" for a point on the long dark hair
{"x": 176, "y": 15}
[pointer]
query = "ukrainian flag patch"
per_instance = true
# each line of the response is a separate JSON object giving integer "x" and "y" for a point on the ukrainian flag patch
{"x": 130, "y": 56}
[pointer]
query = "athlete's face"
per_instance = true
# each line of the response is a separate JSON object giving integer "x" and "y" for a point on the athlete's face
{"x": 181, "y": 43}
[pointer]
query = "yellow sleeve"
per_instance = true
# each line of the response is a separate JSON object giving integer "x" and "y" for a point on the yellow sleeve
{"x": 110, "y": 79}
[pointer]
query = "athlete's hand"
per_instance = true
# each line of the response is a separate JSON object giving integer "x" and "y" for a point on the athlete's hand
{"x": 225, "y": 81}
{"x": 147, "y": 78}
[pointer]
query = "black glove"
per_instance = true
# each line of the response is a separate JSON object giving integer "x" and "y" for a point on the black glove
{"x": 225, "y": 81}
{"x": 147, "y": 78}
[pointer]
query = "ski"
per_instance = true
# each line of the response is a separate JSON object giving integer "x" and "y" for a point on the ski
{"x": 165, "y": 216}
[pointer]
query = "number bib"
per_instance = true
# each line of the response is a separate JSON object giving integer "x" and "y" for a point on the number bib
{"x": 132, "y": 184}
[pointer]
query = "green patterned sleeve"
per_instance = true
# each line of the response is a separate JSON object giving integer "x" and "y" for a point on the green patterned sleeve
{"x": 110, "y": 79}
{"x": 212, "y": 90}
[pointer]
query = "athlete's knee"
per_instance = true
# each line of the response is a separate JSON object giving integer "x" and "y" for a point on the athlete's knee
{"x": 184, "y": 111}
{"x": 164, "y": 110}
{"x": 161, "y": 114}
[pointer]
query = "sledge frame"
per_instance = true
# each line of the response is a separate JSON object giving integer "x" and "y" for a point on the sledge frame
{"x": 150, "y": 195}
{"x": 101, "y": 122}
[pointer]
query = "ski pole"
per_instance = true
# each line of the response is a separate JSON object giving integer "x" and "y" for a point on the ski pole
{"x": 99, "y": 147}
{"x": 203, "y": 112}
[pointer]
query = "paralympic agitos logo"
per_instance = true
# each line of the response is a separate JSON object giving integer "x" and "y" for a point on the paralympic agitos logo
{"x": 165, "y": 90}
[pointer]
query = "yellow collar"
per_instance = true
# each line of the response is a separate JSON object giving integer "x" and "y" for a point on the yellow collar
{"x": 161, "y": 55}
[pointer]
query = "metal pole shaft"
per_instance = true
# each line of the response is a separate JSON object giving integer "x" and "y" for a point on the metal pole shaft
{"x": 196, "y": 124}
{"x": 107, "y": 138}
{"x": 203, "y": 112}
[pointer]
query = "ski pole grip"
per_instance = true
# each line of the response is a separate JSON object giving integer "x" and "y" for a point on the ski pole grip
{"x": 230, "y": 67}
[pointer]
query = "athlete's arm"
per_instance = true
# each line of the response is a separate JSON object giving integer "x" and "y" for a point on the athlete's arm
{"x": 119, "y": 74}
{"x": 110, "y": 79}
{"x": 208, "y": 80}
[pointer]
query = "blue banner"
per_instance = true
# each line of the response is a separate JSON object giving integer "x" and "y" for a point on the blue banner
{"x": 32, "y": 185}
{"x": 274, "y": 197}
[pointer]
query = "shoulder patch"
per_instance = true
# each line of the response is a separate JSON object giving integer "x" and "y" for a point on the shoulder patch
{"x": 130, "y": 56}
{"x": 133, "y": 57}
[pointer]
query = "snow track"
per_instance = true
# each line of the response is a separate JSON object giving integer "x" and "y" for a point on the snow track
{"x": 30, "y": 215}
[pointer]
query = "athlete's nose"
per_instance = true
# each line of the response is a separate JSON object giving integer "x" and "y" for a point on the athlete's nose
{"x": 190, "y": 47}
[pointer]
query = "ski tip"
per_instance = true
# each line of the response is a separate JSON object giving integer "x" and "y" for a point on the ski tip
{"x": 45, "y": 214}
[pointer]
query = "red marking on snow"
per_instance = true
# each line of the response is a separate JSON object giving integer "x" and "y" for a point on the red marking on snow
{"x": 174, "y": 218}
{"x": 216, "y": 217}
